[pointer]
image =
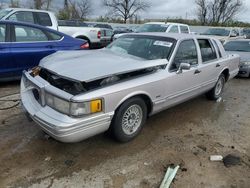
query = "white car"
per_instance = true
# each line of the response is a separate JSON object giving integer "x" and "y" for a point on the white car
{"x": 96, "y": 37}
{"x": 168, "y": 27}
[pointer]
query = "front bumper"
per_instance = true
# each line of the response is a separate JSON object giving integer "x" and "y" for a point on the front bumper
{"x": 244, "y": 71}
{"x": 60, "y": 126}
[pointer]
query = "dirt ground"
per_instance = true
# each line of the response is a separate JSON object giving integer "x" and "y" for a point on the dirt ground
{"x": 185, "y": 135}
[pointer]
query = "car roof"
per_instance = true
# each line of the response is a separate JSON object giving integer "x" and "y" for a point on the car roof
{"x": 166, "y": 23}
{"x": 31, "y": 25}
{"x": 26, "y": 9}
{"x": 239, "y": 40}
{"x": 176, "y": 36}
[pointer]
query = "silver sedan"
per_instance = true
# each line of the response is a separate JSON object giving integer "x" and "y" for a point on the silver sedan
{"x": 78, "y": 94}
{"x": 241, "y": 47}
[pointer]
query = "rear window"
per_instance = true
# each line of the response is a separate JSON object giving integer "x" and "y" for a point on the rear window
{"x": 240, "y": 46}
{"x": 22, "y": 16}
{"x": 29, "y": 34}
{"x": 184, "y": 29}
{"x": 152, "y": 28}
{"x": 207, "y": 50}
{"x": 2, "y": 32}
{"x": 54, "y": 36}
{"x": 43, "y": 18}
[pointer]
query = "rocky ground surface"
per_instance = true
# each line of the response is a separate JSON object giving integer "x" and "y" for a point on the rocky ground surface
{"x": 185, "y": 135}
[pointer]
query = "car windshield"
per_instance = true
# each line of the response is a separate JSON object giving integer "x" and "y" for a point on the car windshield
{"x": 241, "y": 46}
{"x": 4, "y": 13}
{"x": 145, "y": 47}
{"x": 152, "y": 28}
{"x": 217, "y": 31}
{"x": 246, "y": 31}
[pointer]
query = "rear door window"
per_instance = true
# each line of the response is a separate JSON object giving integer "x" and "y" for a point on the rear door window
{"x": 29, "y": 34}
{"x": 2, "y": 32}
{"x": 208, "y": 52}
{"x": 43, "y": 18}
{"x": 54, "y": 36}
{"x": 22, "y": 16}
{"x": 217, "y": 48}
{"x": 184, "y": 29}
{"x": 174, "y": 29}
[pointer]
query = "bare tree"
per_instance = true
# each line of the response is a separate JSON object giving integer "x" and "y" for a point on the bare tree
{"x": 74, "y": 9}
{"x": 125, "y": 9}
{"x": 14, "y": 4}
{"x": 42, "y": 4}
{"x": 217, "y": 11}
{"x": 202, "y": 11}
{"x": 84, "y": 8}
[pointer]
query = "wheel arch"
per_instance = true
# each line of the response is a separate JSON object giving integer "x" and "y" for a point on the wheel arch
{"x": 145, "y": 97}
{"x": 226, "y": 73}
{"x": 82, "y": 37}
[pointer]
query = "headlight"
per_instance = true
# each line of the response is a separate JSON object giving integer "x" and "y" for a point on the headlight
{"x": 85, "y": 108}
{"x": 58, "y": 104}
{"x": 74, "y": 108}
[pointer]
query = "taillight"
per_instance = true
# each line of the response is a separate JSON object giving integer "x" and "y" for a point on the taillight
{"x": 99, "y": 34}
{"x": 85, "y": 46}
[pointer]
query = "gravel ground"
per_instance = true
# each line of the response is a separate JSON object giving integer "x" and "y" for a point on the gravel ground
{"x": 185, "y": 135}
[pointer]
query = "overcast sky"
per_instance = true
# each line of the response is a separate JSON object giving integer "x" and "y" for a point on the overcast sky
{"x": 171, "y": 8}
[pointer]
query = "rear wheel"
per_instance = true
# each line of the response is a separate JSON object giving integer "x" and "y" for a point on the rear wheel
{"x": 216, "y": 92}
{"x": 129, "y": 119}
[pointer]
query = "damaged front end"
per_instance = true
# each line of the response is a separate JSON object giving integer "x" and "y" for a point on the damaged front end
{"x": 75, "y": 87}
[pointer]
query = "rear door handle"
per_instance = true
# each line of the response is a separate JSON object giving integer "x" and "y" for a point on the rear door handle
{"x": 217, "y": 65}
{"x": 197, "y": 71}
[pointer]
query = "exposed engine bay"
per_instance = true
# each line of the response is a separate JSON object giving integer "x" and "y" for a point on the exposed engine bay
{"x": 76, "y": 87}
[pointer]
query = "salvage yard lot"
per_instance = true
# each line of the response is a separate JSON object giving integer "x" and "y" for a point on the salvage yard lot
{"x": 186, "y": 135}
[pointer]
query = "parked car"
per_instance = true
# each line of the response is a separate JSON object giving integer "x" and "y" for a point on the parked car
{"x": 40, "y": 17}
{"x": 224, "y": 34}
{"x": 246, "y": 32}
{"x": 23, "y": 45}
{"x": 96, "y": 37}
{"x": 120, "y": 30}
{"x": 118, "y": 87}
{"x": 241, "y": 47}
{"x": 161, "y": 27}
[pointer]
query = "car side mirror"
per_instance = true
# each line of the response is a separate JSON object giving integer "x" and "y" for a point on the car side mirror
{"x": 183, "y": 66}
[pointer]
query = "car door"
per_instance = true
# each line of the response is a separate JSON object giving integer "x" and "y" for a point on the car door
{"x": 30, "y": 45}
{"x": 6, "y": 59}
{"x": 210, "y": 67}
{"x": 181, "y": 86}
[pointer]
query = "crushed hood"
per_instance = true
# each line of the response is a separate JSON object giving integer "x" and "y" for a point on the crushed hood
{"x": 89, "y": 65}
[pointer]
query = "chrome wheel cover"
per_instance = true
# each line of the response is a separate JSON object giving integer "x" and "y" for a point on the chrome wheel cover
{"x": 219, "y": 87}
{"x": 132, "y": 119}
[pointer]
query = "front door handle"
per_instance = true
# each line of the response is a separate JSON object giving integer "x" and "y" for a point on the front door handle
{"x": 217, "y": 65}
{"x": 197, "y": 71}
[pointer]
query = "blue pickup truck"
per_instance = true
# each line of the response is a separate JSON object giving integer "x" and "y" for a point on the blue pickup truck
{"x": 23, "y": 45}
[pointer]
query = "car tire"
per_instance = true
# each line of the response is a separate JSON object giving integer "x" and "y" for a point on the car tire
{"x": 129, "y": 119}
{"x": 217, "y": 90}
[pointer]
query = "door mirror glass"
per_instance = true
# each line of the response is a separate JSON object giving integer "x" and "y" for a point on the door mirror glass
{"x": 183, "y": 66}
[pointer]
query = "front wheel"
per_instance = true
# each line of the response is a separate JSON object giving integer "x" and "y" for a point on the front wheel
{"x": 217, "y": 90}
{"x": 129, "y": 119}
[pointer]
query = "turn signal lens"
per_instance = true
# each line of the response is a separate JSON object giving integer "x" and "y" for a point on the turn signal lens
{"x": 96, "y": 106}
